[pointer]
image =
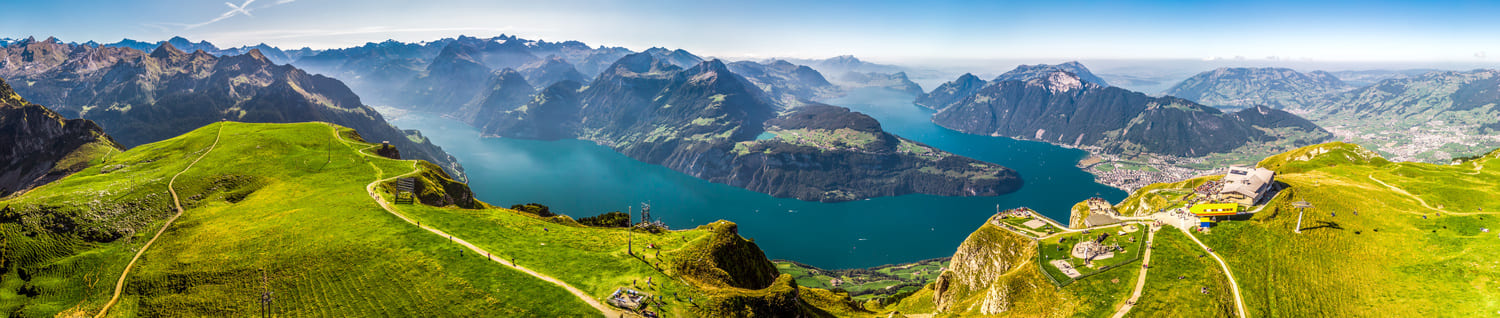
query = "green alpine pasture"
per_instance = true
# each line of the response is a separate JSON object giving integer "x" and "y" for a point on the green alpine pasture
{"x": 1180, "y": 270}
{"x": 275, "y": 210}
{"x": 1382, "y": 239}
{"x": 277, "y": 220}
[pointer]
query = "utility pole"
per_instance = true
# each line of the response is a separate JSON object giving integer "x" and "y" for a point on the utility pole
{"x": 1301, "y": 209}
{"x": 630, "y": 237}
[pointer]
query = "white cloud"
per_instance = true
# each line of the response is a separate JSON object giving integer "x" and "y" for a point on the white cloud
{"x": 1479, "y": 55}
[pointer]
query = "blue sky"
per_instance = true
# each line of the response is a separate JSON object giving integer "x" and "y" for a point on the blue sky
{"x": 891, "y": 30}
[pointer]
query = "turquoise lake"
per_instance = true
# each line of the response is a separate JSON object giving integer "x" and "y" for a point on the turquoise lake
{"x": 580, "y": 179}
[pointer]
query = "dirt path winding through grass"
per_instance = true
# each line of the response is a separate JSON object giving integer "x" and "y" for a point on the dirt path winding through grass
{"x": 1239, "y": 303}
{"x": 1403, "y": 192}
{"x": 120, "y": 285}
{"x": 606, "y": 310}
{"x": 1140, "y": 282}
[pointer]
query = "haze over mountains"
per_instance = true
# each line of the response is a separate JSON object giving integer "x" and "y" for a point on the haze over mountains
{"x": 1244, "y": 87}
{"x": 711, "y": 123}
{"x": 458, "y": 75}
{"x": 140, "y": 98}
{"x": 761, "y": 125}
{"x": 491, "y": 82}
{"x": 1060, "y": 107}
{"x": 1434, "y": 116}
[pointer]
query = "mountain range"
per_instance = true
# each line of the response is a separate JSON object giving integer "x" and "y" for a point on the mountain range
{"x": 1061, "y": 108}
{"x": 1460, "y": 97}
{"x": 1245, "y": 87}
{"x": 890, "y": 81}
{"x": 1409, "y": 115}
{"x": 140, "y": 98}
{"x": 788, "y": 83}
{"x": 714, "y": 124}
{"x": 845, "y": 64}
{"x": 275, "y": 54}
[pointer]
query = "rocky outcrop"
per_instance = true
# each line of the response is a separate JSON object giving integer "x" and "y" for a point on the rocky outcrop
{"x": 387, "y": 151}
{"x": 991, "y": 272}
{"x": 42, "y": 146}
{"x": 744, "y": 281}
{"x": 436, "y": 188}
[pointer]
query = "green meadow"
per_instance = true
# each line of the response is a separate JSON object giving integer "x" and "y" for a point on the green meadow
{"x": 274, "y": 210}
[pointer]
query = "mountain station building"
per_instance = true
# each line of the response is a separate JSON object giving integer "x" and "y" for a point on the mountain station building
{"x": 1245, "y": 185}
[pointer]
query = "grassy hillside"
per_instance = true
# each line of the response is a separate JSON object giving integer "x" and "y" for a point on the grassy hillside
{"x": 281, "y": 210}
{"x": 1383, "y": 239}
{"x": 1179, "y": 272}
{"x": 274, "y": 208}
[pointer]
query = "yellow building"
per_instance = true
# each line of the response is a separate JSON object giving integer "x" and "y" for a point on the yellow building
{"x": 1215, "y": 209}
{"x": 1207, "y": 212}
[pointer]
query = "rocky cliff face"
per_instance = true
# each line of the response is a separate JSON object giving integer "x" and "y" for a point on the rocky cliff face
{"x": 991, "y": 271}
{"x": 1063, "y": 109}
{"x": 1245, "y": 87}
{"x": 42, "y": 146}
{"x": 140, "y": 98}
{"x": 951, "y": 92}
{"x": 709, "y": 122}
